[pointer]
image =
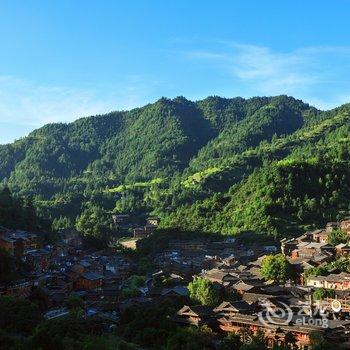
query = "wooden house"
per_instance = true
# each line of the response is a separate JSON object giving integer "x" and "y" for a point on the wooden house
{"x": 221, "y": 276}
{"x": 152, "y": 221}
{"x": 227, "y": 308}
{"x": 19, "y": 289}
{"x": 333, "y": 281}
{"x": 275, "y": 330}
{"x": 198, "y": 315}
{"x": 345, "y": 226}
{"x": 89, "y": 281}
{"x": 38, "y": 259}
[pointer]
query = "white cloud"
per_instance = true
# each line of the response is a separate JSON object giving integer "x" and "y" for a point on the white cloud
{"x": 26, "y": 105}
{"x": 34, "y": 104}
{"x": 318, "y": 75}
{"x": 272, "y": 71}
{"x": 311, "y": 73}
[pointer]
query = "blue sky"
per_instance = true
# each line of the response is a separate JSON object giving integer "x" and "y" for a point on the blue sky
{"x": 61, "y": 60}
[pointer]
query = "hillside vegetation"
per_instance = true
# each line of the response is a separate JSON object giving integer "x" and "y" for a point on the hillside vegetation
{"x": 269, "y": 164}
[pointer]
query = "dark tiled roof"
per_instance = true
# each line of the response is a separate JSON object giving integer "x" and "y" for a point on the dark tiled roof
{"x": 200, "y": 310}
{"x": 93, "y": 276}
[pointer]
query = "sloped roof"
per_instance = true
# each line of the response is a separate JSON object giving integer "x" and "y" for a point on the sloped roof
{"x": 93, "y": 276}
{"x": 197, "y": 310}
{"x": 235, "y": 306}
{"x": 179, "y": 290}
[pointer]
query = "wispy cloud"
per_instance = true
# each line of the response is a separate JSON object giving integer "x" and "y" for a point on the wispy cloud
{"x": 26, "y": 105}
{"x": 319, "y": 75}
{"x": 32, "y": 104}
{"x": 301, "y": 72}
{"x": 272, "y": 71}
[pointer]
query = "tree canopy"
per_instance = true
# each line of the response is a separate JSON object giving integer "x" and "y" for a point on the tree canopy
{"x": 205, "y": 292}
{"x": 274, "y": 165}
{"x": 276, "y": 267}
{"x": 337, "y": 236}
{"x": 322, "y": 293}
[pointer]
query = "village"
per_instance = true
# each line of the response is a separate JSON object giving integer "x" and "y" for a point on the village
{"x": 109, "y": 281}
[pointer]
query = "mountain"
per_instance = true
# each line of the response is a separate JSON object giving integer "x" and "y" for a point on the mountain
{"x": 269, "y": 164}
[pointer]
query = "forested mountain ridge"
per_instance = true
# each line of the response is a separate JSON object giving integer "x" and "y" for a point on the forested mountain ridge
{"x": 192, "y": 163}
{"x": 166, "y": 134}
{"x": 295, "y": 182}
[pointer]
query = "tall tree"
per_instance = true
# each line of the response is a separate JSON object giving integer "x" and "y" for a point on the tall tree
{"x": 205, "y": 292}
{"x": 276, "y": 267}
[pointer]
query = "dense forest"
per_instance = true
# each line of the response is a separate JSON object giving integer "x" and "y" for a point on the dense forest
{"x": 271, "y": 165}
{"x": 19, "y": 213}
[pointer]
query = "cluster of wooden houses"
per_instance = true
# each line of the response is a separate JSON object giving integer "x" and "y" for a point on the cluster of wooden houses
{"x": 250, "y": 297}
{"x": 241, "y": 318}
{"x": 18, "y": 242}
{"x": 312, "y": 249}
{"x": 125, "y": 223}
{"x": 314, "y": 245}
{"x": 66, "y": 268}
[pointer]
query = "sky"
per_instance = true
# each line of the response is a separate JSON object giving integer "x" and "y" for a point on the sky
{"x": 62, "y": 60}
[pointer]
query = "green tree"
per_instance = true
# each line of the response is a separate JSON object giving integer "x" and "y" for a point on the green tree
{"x": 29, "y": 214}
{"x": 276, "y": 267}
{"x": 73, "y": 333}
{"x": 318, "y": 342}
{"x": 40, "y": 298}
{"x": 204, "y": 292}
{"x": 342, "y": 264}
{"x": 191, "y": 338}
{"x": 18, "y": 315}
{"x": 6, "y": 264}
{"x": 61, "y": 223}
{"x": 322, "y": 293}
{"x": 337, "y": 236}
{"x": 231, "y": 341}
{"x": 258, "y": 342}
{"x": 74, "y": 302}
{"x": 95, "y": 225}
{"x": 290, "y": 340}
{"x": 132, "y": 285}
{"x": 317, "y": 271}
{"x": 10, "y": 342}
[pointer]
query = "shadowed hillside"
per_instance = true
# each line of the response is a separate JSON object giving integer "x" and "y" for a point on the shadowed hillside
{"x": 271, "y": 164}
